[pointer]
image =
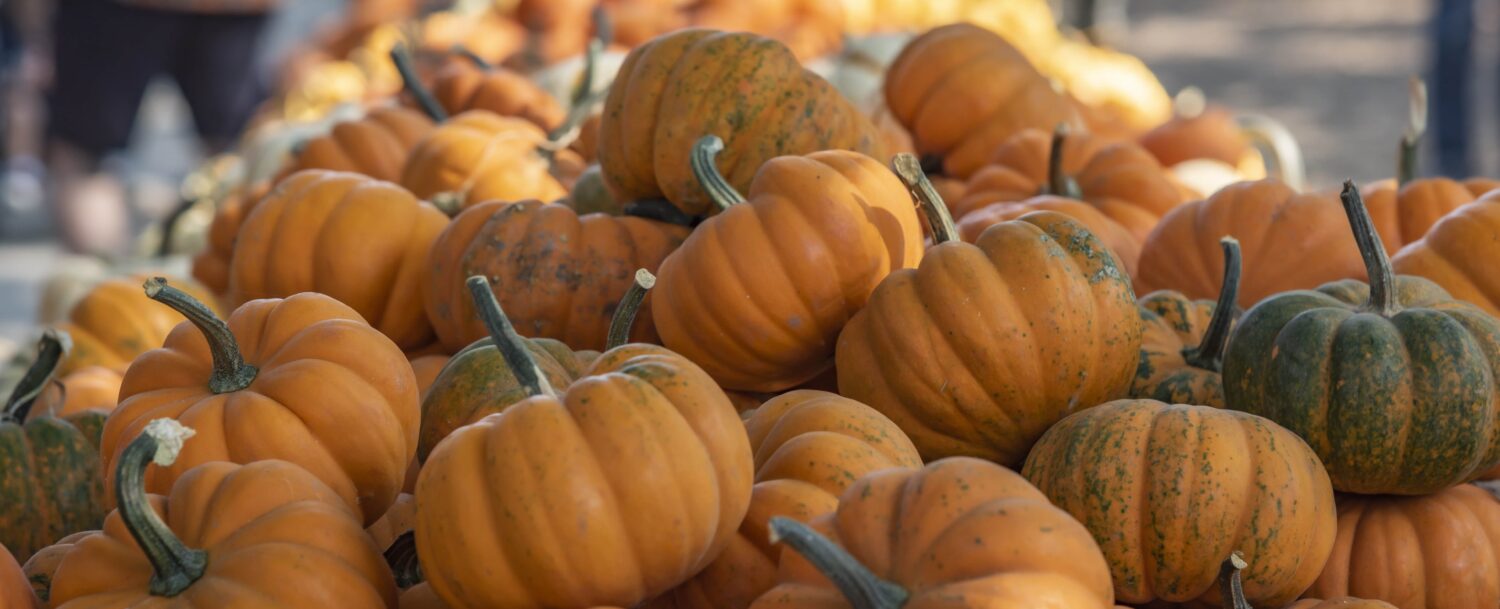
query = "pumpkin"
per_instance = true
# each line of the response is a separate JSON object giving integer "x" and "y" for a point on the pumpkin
{"x": 15, "y": 591}
{"x": 49, "y": 467}
{"x": 980, "y": 309}
{"x": 421, "y": 596}
{"x": 42, "y": 566}
{"x": 747, "y": 90}
{"x": 1347, "y": 602}
{"x": 1117, "y": 238}
{"x": 359, "y": 240}
{"x": 376, "y": 145}
{"x": 426, "y": 369}
{"x": 470, "y": 84}
{"x": 644, "y": 453}
{"x": 809, "y": 446}
{"x": 559, "y": 274}
{"x": 267, "y": 533}
{"x": 757, "y": 294}
{"x": 1296, "y": 240}
{"x": 282, "y": 379}
{"x": 1392, "y": 382}
{"x": 1454, "y": 252}
{"x": 398, "y": 519}
{"x": 1439, "y": 551}
{"x": 479, "y": 156}
{"x": 114, "y": 323}
{"x": 94, "y": 388}
{"x": 211, "y": 265}
{"x": 959, "y": 533}
{"x": 1231, "y": 592}
{"x": 1165, "y": 510}
{"x": 962, "y": 91}
{"x": 1117, "y": 93}
{"x": 1182, "y": 349}
{"x": 809, "y": 28}
{"x": 590, "y": 194}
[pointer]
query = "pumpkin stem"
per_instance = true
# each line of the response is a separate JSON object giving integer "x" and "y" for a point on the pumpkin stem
{"x": 404, "y": 562}
{"x": 1416, "y": 126}
{"x": 1383, "y": 299}
{"x": 630, "y": 304}
{"x": 863, "y": 589}
{"x": 231, "y": 373}
{"x": 1231, "y": 589}
{"x": 1209, "y": 354}
{"x": 1059, "y": 183}
{"x": 512, "y": 347}
{"x": 585, "y": 96}
{"x": 474, "y": 58}
{"x": 175, "y": 565}
{"x": 50, "y": 351}
{"x": 429, "y": 104}
{"x": 703, "y": 160}
{"x": 909, "y": 169}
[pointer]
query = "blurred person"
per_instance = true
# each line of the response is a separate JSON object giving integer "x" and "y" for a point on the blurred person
{"x": 1452, "y": 36}
{"x": 105, "y": 53}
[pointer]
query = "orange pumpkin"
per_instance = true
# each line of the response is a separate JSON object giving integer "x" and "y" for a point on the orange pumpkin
{"x": 1455, "y": 254}
{"x": 962, "y": 91}
{"x": 421, "y": 596}
{"x": 1117, "y": 238}
{"x": 115, "y": 322}
{"x": 376, "y": 145}
{"x": 809, "y": 28}
{"x": 398, "y": 519}
{"x": 15, "y": 591}
{"x": 283, "y": 379}
{"x": 1232, "y": 594}
{"x": 268, "y": 533}
{"x": 480, "y": 156}
{"x": 560, "y": 275}
{"x": 747, "y": 90}
{"x": 1297, "y": 241}
{"x": 809, "y": 447}
{"x": 464, "y": 84}
{"x": 1347, "y": 602}
{"x": 1208, "y": 132}
{"x": 758, "y": 294}
{"x": 359, "y": 240}
{"x": 42, "y": 566}
{"x": 211, "y": 266}
{"x": 959, "y": 533}
{"x": 93, "y": 388}
{"x": 1182, "y": 349}
{"x": 981, "y": 309}
{"x": 645, "y": 458}
{"x": 1439, "y": 551}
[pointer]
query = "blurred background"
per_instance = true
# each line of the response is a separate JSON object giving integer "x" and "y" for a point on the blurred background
{"x": 1334, "y": 71}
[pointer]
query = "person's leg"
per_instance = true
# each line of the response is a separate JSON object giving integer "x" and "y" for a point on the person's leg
{"x": 105, "y": 55}
{"x": 215, "y": 69}
{"x": 1452, "y": 35}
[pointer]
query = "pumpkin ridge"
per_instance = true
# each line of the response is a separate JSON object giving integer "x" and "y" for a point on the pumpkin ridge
{"x": 1146, "y": 569}
{"x": 882, "y": 334}
{"x": 571, "y": 236}
{"x": 719, "y": 245}
{"x": 809, "y": 227}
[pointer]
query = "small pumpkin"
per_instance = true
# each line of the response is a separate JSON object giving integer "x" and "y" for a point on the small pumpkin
{"x": 375, "y": 145}
{"x": 50, "y": 481}
{"x": 758, "y": 294}
{"x": 1182, "y": 349}
{"x": 962, "y": 91}
{"x": 644, "y": 453}
{"x": 1164, "y": 510}
{"x": 1438, "y": 551}
{"x": 809, "y": 28}
{"x": 42, "y": 566}
{"x": 590, "y": 194}
{"x": 960, "y": 533}
{"x": 979, "y": 309}
{"x": 1392, "y": 382}
{"x": 1296, "y": 240}
{"x": 1455, "y": 252}
{"x": 1117, "y": 238}
{"x": 1346, "y": 602}
{"x": 351, "y": 237}
{"x": 211, "y": 266}
{"x": 747, "y": 90}
{"x": 1232, "y": 594}
{"x": 469, "y": 83}
{"x": 282, "y": 379}
{"x": 809, "y": 447}
{"x": 114, "y": 323}
{"x": 266, "y": 533}
{"x": 558, "y": 273}
{"x": 94, "y": 388}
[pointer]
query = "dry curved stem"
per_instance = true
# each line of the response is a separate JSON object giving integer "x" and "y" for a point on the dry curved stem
{"x": 1208, "y": 354}
{"x": 585, "y": 96}
{"x": 703, "y": 160}
{"x": 174, "y": 565}
{"x": 231, "y": 372}
{"x": 862, "y": 588}
{"x": 1383, "y": 300}
{"x": 51, "y": 349}
{"x": 402, "y": 58}
{"x": 1231, "y": 588}
{"x": 1416, "y": 126}
{"x": 474, "y": 58}
{"x": 1277, "y": 145}
{"x": 510, "y": 344}
{"x": 1059, "y": 183}
{"x": 909, "y": 169}
{"x": 629, "y": 307}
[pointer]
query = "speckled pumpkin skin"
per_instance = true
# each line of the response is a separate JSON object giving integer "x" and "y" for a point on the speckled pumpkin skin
{"x": 983, "y": 347}
{"x": 1173, "y": 322}
{"x": 51, "y": 483}
{"x": 1167, "y": 490}
{"x": 42, "y": 565}
{"x": 1404, "y": 405}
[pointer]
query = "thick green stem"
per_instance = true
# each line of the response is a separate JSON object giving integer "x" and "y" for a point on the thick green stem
{"x": 404, "y": 562}
{"x": 863, "y": 589}
{"x": 1208, "y": 354}
{"x": 474, "y": 58}
{"x": 175, "y": 565}
{"x": 630, "y": 305}
{"x": 1059, "y": 183}
{"x": 1231, "y": 589}
{"x": 1383, "y": 299}
{"x": 231, "y": 373}
{"x": 510, "y": 344}
{"x": 909, "y": 169}
{"x": 50, "y": 351}
{"x": 703, "y": 158}
{"x": 402, "y": 58}
{"x": 1416, "y": 126}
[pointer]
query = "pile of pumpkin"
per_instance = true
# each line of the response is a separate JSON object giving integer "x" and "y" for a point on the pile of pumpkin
{"x": 705, "y": 348}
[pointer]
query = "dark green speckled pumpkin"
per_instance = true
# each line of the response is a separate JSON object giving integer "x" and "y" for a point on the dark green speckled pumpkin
{"x": 1392, "y": 383}
{"x": 1182, "y": 348}
{"x": 51, "y": 483}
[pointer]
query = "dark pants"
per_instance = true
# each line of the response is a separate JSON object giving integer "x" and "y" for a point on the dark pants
{"x": 1452, "y": 38}
{"x": 107, "y": 53}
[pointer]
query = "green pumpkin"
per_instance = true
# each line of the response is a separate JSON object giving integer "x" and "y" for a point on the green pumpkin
{"x": 51, "y": 484}
{"x": 1393, "y": 383}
